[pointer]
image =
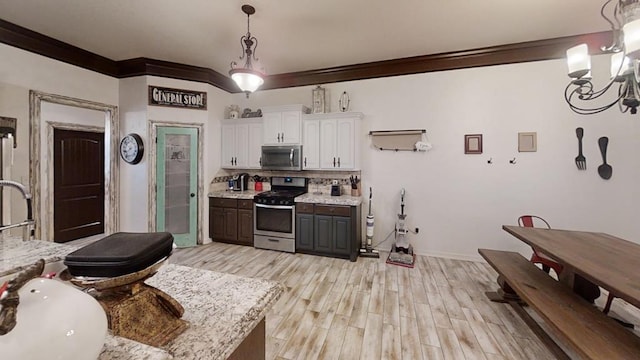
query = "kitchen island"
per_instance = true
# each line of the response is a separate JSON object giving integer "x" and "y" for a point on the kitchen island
{"x": 225, "y": 312}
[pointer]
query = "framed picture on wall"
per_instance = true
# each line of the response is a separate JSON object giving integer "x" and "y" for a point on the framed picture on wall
{"x": 473, "y": 144}
{"x": 527, "y": 142}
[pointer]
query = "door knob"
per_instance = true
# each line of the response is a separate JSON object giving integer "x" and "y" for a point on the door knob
{"x": 192, "y": 194}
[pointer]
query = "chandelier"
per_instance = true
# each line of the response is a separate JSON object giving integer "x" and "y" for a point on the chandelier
{"x": 624, "y": 18}
{"x": 247, "y": 78}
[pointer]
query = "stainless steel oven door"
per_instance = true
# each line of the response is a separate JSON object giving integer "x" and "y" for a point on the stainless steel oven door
{"x": 274, "y": 220}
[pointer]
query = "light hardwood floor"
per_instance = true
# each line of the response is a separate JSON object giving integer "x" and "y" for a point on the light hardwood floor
{"x": 336, "y": 309}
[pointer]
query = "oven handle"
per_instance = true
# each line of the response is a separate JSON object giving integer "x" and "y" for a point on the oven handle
{"x": 291, "y": 158}
{"x": 274, "y": 206}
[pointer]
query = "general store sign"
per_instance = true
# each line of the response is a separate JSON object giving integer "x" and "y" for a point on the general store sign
{"x": 161, "y": 96}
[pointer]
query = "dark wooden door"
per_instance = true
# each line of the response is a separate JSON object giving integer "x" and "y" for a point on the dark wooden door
{"x": 78, "y": 184}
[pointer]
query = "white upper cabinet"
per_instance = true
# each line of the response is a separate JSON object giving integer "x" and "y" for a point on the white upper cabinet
{"x": 332, "y": 141}
{"x": 241, "y": 143}
{"x": 255, "y": 145}
{"x": 282, "y": 124}
{"x": 310, "y": 144}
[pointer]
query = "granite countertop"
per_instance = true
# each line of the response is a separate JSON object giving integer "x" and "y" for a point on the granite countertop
{"x": 16, "y": 254}
{"x": 329, "y": 200}
{"x": 221, "y": 309}
{"x": 247, "y": 194}
{"x": 304, "y": 198}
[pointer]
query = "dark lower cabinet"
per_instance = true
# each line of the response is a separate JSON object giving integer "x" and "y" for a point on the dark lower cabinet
{"x": 231, "y": 220}
{"x": 330, "y": 230}
{"x": 304, "y": 232}
{"x": 245, "y": 226}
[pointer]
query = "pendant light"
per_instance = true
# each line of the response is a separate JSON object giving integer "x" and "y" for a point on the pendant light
{"x": 246, "y": 77}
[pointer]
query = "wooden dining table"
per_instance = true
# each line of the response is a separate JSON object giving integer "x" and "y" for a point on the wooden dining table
{"x": 608, "y": 261}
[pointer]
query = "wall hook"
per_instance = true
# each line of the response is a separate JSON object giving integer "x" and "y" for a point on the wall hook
{"x": 490, "y": 161}
{"x": 512, "y": 161}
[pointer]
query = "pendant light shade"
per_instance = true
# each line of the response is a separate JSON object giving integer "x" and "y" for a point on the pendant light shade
{"x": 247, "y": 80}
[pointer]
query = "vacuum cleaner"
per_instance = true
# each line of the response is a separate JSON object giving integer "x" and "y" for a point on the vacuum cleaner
{"x": 368, "y": 250}
{"x": 401, "y": 252}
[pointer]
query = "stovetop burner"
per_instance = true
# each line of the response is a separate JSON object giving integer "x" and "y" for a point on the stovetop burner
{"x": 283, "y": 192}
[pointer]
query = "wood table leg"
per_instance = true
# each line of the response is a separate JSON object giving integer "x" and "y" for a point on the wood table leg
{"x": 505, "y": 294}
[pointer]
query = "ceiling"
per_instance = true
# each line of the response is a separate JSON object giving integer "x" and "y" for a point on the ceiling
{"x": 298, "y": 35}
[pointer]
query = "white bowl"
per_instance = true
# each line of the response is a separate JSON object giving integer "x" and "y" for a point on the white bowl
{"x": 55, "y": 321}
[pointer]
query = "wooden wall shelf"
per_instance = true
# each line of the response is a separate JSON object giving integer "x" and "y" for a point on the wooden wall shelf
{"x": 396, "y": 140}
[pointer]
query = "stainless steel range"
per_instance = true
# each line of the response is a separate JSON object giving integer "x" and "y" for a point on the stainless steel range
{"x": 274, "y": 214}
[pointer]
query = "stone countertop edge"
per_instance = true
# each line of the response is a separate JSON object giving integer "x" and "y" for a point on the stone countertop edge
{"x": 118, "y": 348}
{"x": 247, "y": 194}
{"x": 347, "y": 200}
{"x": 329, "y": 200}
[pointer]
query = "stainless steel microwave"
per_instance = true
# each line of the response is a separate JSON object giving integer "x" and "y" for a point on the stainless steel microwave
{"x": 282, "y": 157}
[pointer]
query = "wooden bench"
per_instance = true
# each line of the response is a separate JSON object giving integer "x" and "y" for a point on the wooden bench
{"x": 578, "y": 323}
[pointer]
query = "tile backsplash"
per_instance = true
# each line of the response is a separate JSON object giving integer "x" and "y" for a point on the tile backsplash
{"x": 319, "y": 181}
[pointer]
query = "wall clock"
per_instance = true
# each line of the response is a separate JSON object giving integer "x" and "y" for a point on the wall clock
{"x": 131, "y": 148}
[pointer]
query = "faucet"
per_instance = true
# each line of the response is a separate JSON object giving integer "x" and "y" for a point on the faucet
{"x": 10, "y": 299}
{"x": 28, "y": 224}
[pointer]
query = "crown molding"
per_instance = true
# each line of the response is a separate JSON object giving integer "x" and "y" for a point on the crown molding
{"x": 538, "y": 50}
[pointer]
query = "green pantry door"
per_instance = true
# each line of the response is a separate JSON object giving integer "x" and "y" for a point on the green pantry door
{"x": 176, "y": 179}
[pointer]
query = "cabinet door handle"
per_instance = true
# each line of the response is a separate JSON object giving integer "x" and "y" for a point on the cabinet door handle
{"x": 305, "y": 161}
{"x": 282, "y": 137}
{"x": 260, "y": 161}
{"x": 338, "y": 161}
{"x": 334, "y": 162}
{"x": 278, "y": 137}
{"x": 232, "y": 160}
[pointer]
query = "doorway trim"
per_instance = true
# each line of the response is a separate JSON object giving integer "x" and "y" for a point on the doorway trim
{"x": 111, "y": 184}
{"x": 153, "y": 157}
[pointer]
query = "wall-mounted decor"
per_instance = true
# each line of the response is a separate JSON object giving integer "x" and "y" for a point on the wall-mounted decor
{"x": 344, "y": 101}
{"x": 400, "y": 140}
{"x": 605, "y": 170}
{"x": 527, "y": 141}
{"x": 318, "y": 99}
{"x": 189, "y": 99}
{"x": 581, "y": 161}
{"x": 131, "y": 148}
{"x": 473, "y": 144}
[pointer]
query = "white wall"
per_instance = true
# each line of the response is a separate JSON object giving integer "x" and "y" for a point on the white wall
{"x": 458, "y": 201}
{"x": 135, "y": 115}
{"x": 22, "y": 71}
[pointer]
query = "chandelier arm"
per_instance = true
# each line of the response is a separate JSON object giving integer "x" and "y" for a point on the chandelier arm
{"x": 605, "y": 17}
{"x": 568, "y": 96}
{"x": 242, "y": 46}
{"x": 255, "y": 41}
{"x": 586, "y": 92}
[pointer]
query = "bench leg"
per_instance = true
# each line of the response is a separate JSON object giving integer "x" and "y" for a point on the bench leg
{"x": 505, "y": 294}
